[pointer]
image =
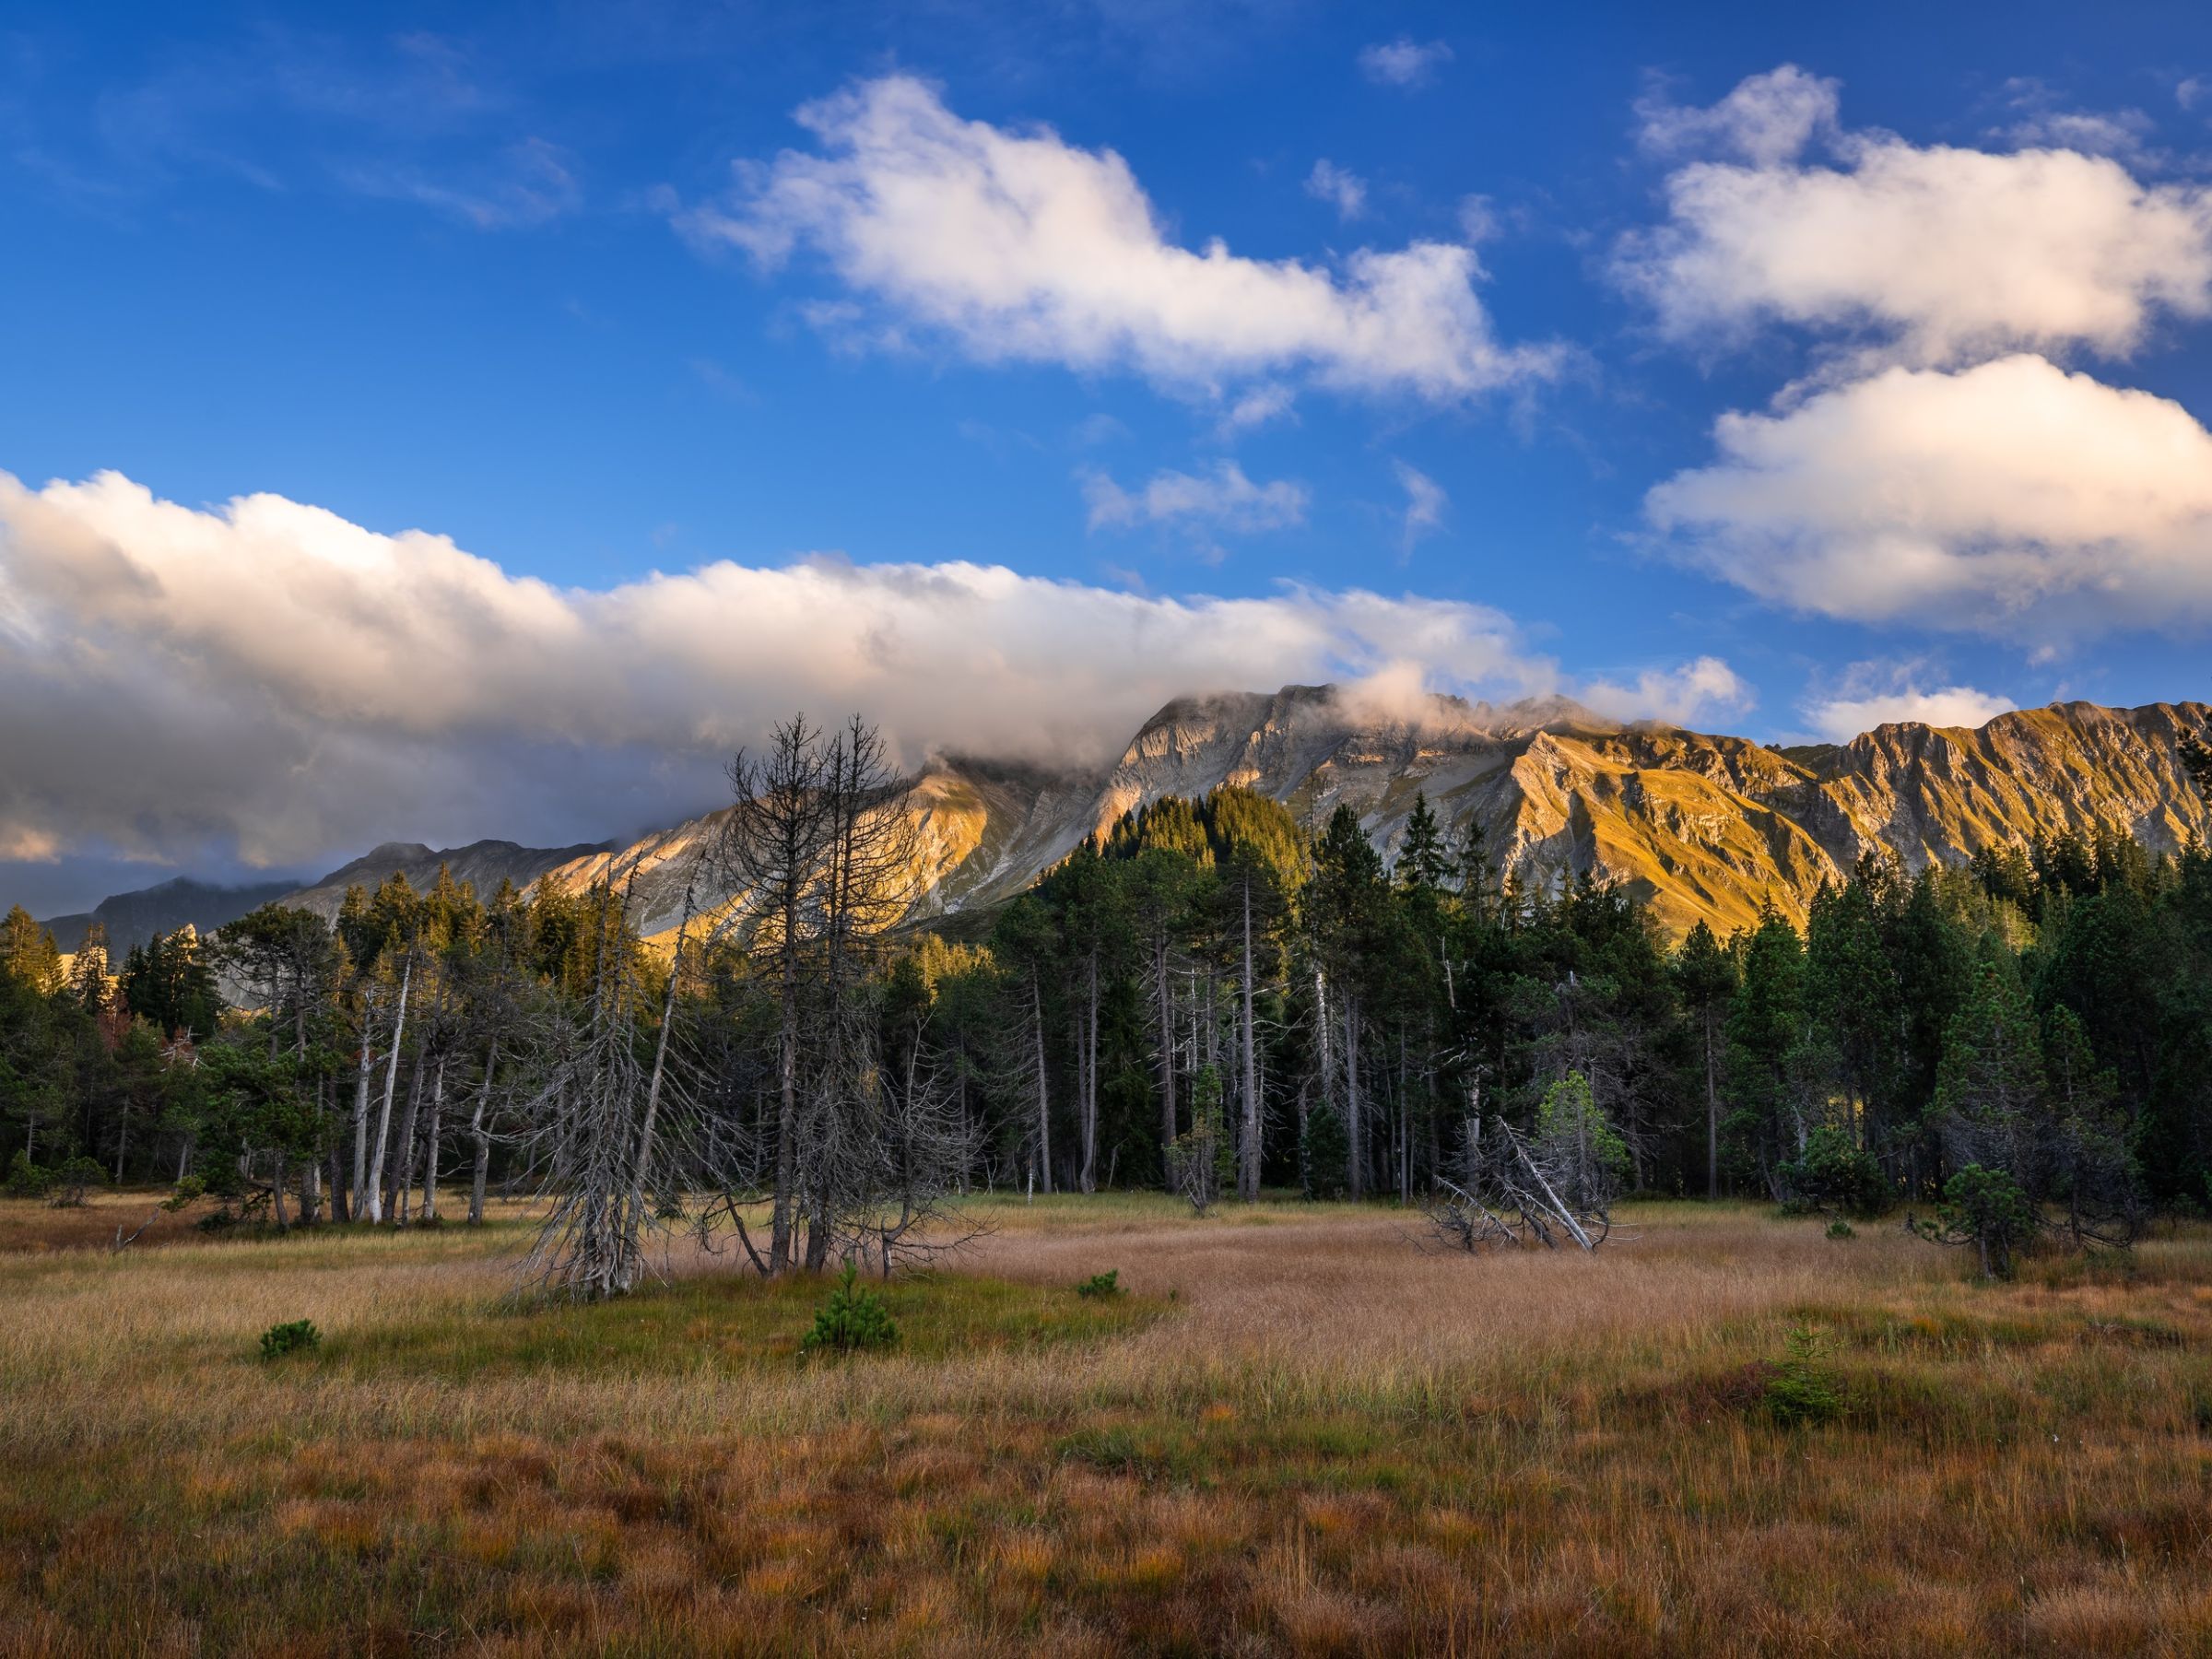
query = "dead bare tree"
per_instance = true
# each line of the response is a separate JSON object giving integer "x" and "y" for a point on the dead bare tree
{"x": 1552, "y": 1186}
{"x": 1194, "y": 1158}
{"x": 770, "y": 850}
{"x": 869, "y": 880}
{"x": 598, "y": 1121}
{"x": 824, "y": 849}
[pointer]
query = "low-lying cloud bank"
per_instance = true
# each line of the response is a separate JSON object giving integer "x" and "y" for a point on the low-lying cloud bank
{"x": 268, "y": 681}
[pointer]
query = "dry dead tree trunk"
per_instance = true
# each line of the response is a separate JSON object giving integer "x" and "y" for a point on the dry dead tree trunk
{"x": 384, "y": 1121}
{"x": 1248, "y": 1160}
{"x": 642, "y": 1158}
{"x": 1161, "y": 984}
{"x": 1045, "y": 1115}
{"x": 589, "y": 1245}
{"x": 1090, "y": 1081}
{"x": 361, "y": 1107}
{"x": 403, "y": 1166}
{"x": 429, "y": 1161}
{"x": 481, "y": 1137}
{"x": 1497, "y": 1206}
{"x": 1354, "y": 1129}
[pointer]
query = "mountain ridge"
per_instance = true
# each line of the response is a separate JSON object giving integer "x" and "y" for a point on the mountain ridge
{"x": 1706, "y": 826}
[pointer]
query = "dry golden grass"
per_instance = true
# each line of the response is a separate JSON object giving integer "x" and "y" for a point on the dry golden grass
{"x": 1302, "y": 1435}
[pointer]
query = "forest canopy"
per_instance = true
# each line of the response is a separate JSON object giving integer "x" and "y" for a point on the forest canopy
{"x": 1210, "y": 997}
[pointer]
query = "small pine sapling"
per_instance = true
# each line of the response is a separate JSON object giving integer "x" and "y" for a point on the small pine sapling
{"x": 853, "y": 1320}
{"x": 293, "y": 1336}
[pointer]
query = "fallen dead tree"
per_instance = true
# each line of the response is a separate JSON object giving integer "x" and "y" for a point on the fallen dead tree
{"x": 1551, "y": 1186}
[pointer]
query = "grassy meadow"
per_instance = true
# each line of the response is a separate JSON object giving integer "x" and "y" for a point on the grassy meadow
{"x": 1299, "y": 1433}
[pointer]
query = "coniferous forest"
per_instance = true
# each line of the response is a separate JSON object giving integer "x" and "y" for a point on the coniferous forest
{"x": 1212, "y": 998}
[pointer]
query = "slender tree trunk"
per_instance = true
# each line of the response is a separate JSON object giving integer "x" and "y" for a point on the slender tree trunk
{"x": 1404, "y": 1126}
{"x": 1248, "y": 1166}
{"x": 481, "y": 1137}
{"x": 277, "y": 1193}
{"x": 383, "y": 1119}
{"x": 641, "y": 1162}
{"x": 1321, "y": 1024}
{"x": 1713, "y": 1119}
{"x": 403, "y": 1167}
{"x": 1353, "y": 1127}
{"x": 780, "y": 1216}
{"x": 1090, "y": 1081}
{"x": 429, "y": 1150}
{"x": 1045, "y": 1115}
{"x": 360, "y": 1110}
{"x": 1167, "y": 1051}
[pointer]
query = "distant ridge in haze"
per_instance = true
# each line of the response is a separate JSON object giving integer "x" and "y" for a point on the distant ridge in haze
{"x": 132, "y": 918}
{"x": 483, "y": 865}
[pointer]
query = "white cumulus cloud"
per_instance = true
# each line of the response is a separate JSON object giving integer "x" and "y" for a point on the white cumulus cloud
{"x": 1930, "y": 255}
{"x": 1224, "y": 498}
{"x": 269, "y": 682}
{"x": 1425, "y": 504}
{"x": 1254, "y": 409}
{"x": 1879, "y": 693}
{"x": 1682, "y": 694}
{"x": 1767, "y": 120}
{"x": 1404, "y": 62}
{"x": 1016, "y": 245}
{"x": 2013, "y": 498}
{"x": 1343, "y": 190}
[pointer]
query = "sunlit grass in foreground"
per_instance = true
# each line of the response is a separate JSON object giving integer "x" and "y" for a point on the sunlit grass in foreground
{"x": 1297, "y": 1434}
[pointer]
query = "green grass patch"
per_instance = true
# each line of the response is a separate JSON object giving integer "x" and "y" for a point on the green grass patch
{"x": 725, "y": 1323}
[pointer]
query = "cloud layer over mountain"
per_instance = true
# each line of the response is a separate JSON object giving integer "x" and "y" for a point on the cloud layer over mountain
{"x": 268, "y": 675}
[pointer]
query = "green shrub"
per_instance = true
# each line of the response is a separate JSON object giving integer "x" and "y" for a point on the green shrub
{"x": 72, "y": 1180}
{"x": 1325, "y": 1153}
{"x": 1805, "y": 1388}
{"x": 1103, "y": 1286}
{"x": 24, "y": 1178}
{"x": 1987, "y": 1209}
{"x": 1840, "y": 1229}
{"x": 1834, "y": 1172}
{"x": 294, "y": 1336}
{"x": 853, "y": 1319}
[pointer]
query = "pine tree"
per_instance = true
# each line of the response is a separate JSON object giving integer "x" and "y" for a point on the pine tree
{"x": 1423, "y": 863}
{"x": 1348, "y": 917}
{"x": 1991, "y": 1091}
{"x": 1705, "y": 978}
{"x": 27, "y": 952}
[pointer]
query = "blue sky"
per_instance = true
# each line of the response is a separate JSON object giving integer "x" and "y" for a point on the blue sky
{"x": 597, "y": 293}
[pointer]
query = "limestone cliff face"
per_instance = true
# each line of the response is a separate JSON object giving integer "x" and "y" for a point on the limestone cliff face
{"x": 985, "y": 831}
{"x": 1706, "y": 828}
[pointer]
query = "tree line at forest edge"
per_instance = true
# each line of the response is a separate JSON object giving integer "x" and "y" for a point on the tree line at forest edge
{"x": 1209, "y": 997}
